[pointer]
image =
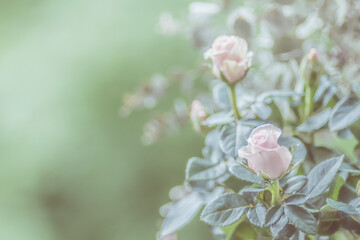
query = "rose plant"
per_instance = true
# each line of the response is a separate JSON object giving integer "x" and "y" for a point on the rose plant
{"x": 271, "y": 173}
{"x": 281, "y": 126}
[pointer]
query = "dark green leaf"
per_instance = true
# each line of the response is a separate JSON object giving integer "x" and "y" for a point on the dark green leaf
{"x": 286, "y": 232}
{"x": 301, "y": 218}
{"x": 274, "y": 214}
{"x": 345, "y": 112}
{"x": 234, "y": 183}
{"x": 225, "y": 210}
{"x": 181, "y": 213}
{"x": 352, "y": 224}
{"x": 279, "y": 225}
{"x": 315, "y": 122}
{"x": 199, "y": 169}
{"x": 343, "y": 207}
{"x": 257, "y": 215}
{"x": 295, "y": 184}
{"x": 296, "y": 199}
{"x": 234, "y": 137}
{"x": 300, "y": 152}
{"x": 321, "y": 176}
{"x": 245, "y": 175}
{"x": 328, "y": 227}
{"x": 325, "y": 91}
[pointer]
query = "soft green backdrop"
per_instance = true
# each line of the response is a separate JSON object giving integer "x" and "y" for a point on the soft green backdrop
{"x": 71, "y": 168}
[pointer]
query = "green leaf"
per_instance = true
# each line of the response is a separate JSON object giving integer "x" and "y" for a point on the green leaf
{"x": 315, "y": 122}
{"x": 250, "y": 193}
{"x": 348, "y": 168}
{"x": 234, "y": 137}
{"x": 245, "y": 175}
{"x": 355, "y": 203}
{"x": 279, "y": 225}
{"x": 335, "y": 187}
{"x": 286, "y": 232}
{"x": 351, "y": 224}
{"x": 234, "y": 183}
{"x": 276, "y": 115}
{"x": 328, "y": 227}
{"x": 273, "y": 214}
{"x": 343, "y": 207}
{"x": 345, "y": 112}
{"x": 181, "y": 213}
{"x": 321, "y": 176}
{"x": 225, "y": 210}
{"x": 261, "y": 110}
{"x": 301, "y": 218}
{"x": 221, "y": 96}
{"x": 275, "y": 94}
{"x": 296, "y": 199}
{"x": 254, "y": 189}
{"x": 257, "y": 215}
{"x": 325, "y": 91}
{"x": 295, "y": 184}
{"x": 300, "y": 152}
{"x": 199, "y": 169}
{"x": 220, "y": 118}
{"x": 212, "y": 150}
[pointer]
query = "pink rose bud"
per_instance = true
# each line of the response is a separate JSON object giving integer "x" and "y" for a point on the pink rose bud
{"x": 230, "y": 58}
{"x": 313, "y": 55}
{"x": 197, "y": 114}
{"x": 264, "y": 153}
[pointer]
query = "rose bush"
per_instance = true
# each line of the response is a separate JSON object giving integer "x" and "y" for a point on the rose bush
{"x": 248, "y": 170}
{"x": 305, "y": 81}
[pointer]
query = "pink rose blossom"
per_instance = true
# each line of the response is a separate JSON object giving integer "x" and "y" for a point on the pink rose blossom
{"x": 264, "y": 153}
{"x": 230, "y": 56}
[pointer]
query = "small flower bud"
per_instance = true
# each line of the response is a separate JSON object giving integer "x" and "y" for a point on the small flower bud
{"x": 197, "y": 115}
{"x": 310, "y": 67}
{"x": 313, "y": 55}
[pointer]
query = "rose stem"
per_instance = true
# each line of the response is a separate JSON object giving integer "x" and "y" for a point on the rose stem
{"x": 275, "y": 189}
{"x": 234, "y": 101}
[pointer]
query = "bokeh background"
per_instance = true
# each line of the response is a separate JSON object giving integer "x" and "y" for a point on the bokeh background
{"x": 71, "y": 167}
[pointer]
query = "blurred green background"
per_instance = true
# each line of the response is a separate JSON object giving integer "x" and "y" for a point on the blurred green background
{"x": 71, "y": 168}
